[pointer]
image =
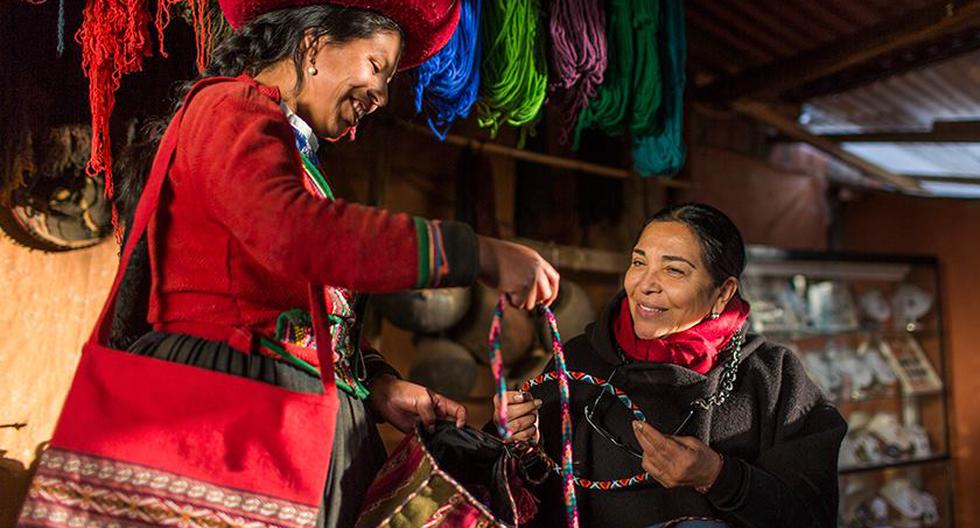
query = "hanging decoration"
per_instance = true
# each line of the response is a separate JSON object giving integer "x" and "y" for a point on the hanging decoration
{"x": 663, "y": 152}
{"x": 448, "y": 83}
{"x": 578, "y": 56}
{"x": 647, "y": 79}
{"x": 630, "y": 94}
{"x": 115, "y": 39}
{"x": 56, "y": 207}
{"x": 514, "y": 70}
{"x": 210, "y": 26}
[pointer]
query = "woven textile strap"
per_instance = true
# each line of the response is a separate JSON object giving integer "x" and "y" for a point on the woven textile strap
{"x": 497, "y": 366}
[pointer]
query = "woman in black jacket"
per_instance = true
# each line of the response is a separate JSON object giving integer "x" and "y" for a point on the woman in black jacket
{"x": 734, "y": 429}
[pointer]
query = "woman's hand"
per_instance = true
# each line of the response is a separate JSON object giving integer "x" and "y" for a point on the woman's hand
{"x": 677, "y": 460}
{"x": 518, "y": 272}
{"x": 404, "y": 404}
{"x": 522, "y": 415}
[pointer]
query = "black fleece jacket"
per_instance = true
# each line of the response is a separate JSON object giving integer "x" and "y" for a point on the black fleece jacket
{"x": 778, "y": 435}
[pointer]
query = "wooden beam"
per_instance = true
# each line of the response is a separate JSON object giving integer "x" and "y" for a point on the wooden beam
{"x": 966, "y": 180}
{"x": 763, "y": 113}
{"x": 909, "y": 29}
{"x": 496, "y": 149}
{"x": 942, "y": 132}
{"x": 576, "y": 258}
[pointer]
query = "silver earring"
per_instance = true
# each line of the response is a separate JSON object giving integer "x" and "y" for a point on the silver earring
{"x": 311, "y": 70}
{"x": 714, "y": 316}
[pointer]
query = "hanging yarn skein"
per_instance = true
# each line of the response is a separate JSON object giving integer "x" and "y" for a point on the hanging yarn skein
{"x": 663, "y": 153}
{"x": 647, "y": 78}
{"x": 631, "y": 93}
{"x": 114, "y": 37}
{"x": 608, "y": 110}
{"x": 448, "y": 83}
{"x": 203, "y": 16}
{"x": 578, "y": 56}
{"x": 514, "y": 71}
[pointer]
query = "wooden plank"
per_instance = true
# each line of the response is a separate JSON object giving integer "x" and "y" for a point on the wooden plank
{"x": 496, "y": 149}
{"x": 789, "y": 127}
{"x": 575, "y": 258}
{"x": 909, "y": 29}
{"x": 942, "y": 132}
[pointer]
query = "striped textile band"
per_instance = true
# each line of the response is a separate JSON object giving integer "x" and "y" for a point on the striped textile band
{"x": 592, "y": 380}
{"x": 432, "y": 261}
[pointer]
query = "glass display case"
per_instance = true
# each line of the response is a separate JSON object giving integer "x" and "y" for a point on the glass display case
{"x": 868, "y": 330}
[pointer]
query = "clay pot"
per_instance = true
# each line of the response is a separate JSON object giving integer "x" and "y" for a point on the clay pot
{"x": 573, "y": 310}
{"x": 473, "y": 330}
{"x": 427, "y": 311}
{"x": 444, "y": 366}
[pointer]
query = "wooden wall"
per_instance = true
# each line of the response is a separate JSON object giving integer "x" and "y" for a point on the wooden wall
{"x": 48, "y": 305}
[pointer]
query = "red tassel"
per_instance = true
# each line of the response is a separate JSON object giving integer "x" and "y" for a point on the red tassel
{"x": 114, "y": 37}
{"x": 202, "y": 31}
{"x": 526, "y": 504}
{"x": 162, "y": 21}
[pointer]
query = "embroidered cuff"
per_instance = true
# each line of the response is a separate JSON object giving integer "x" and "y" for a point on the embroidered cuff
{"x": 448, "y": 254}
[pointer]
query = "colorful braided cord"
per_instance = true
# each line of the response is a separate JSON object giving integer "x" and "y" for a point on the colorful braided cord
{"x": 497, "y": 366}
{"x": 603, "y": 485}
{"x": 567, "y": 474}
{"x": 592, "y": 380}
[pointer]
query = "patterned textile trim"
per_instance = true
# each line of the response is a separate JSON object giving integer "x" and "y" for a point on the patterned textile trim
{"x": 601, "y": 485}
{"x": 432, "y": 262}
{"x": 422, "y": 494}
{"x": 316, "y": 179}
{"x": 592, "y": 380}
{"x": 76, "y": 490}
{"x": 422, "y": 236}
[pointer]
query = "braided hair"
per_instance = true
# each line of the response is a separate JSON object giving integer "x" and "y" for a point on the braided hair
{"x": 263, "y": 42}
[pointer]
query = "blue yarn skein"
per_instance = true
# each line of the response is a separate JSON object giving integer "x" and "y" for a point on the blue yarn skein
{"x": 448, "y": 82}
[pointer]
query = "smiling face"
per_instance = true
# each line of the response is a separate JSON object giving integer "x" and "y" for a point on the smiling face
{"x": 351, "y": 81}
{"x": 668, "y": 284}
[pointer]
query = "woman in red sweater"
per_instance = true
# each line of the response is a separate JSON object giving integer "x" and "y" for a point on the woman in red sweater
{"x": 250, "y": 220}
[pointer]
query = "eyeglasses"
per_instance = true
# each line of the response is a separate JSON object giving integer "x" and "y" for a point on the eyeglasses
{"x": 589, "y": 417}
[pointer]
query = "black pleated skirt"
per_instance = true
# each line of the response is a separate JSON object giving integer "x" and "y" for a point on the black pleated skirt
{"x": 358, "y": 452}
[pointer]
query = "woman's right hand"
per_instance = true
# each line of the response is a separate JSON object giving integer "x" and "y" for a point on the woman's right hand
{"x": 518, "y": 272}
{"x": 522, "y": 415}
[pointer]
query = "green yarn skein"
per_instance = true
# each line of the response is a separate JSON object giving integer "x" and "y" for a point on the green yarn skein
{"x": 514, "y": 73}
{"x": 631, "y": 93}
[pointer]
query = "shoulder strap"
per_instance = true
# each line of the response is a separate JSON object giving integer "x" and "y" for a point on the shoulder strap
{"x": 146, "y": 209}
{"x": 147, "y": 206}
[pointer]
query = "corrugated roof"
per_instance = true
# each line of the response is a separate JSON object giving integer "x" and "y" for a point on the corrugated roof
{"x": 727, "y": 36}
{"x": 948, "y": 91}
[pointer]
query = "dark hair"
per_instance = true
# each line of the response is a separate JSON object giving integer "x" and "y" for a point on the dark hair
{"x": 722, "y": 248}
{"x": 264, "y": 41}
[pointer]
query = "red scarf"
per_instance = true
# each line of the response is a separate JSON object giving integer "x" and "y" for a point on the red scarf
{"x": 696, "y": 348}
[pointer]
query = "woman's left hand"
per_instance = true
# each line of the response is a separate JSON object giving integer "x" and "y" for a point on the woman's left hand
{"x": 404, "y": 404}
{"x": 676, "y": 461}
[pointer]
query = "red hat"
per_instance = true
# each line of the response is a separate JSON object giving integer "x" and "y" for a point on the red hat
{"x": 427, "y": 24}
